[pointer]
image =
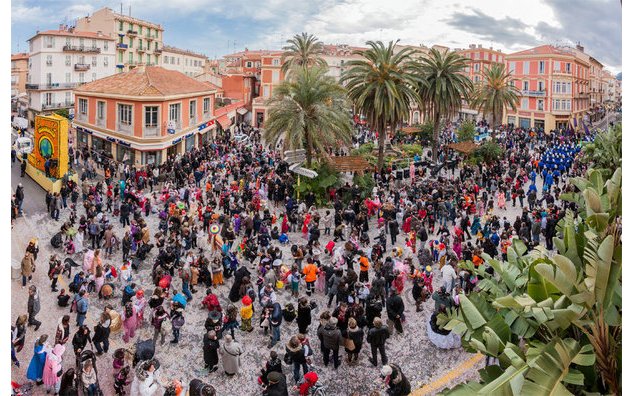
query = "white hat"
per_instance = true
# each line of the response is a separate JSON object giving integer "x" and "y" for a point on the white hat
{"x": 386, "y": 370}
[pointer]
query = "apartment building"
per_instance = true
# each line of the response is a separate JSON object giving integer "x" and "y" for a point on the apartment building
{"x": 554, "y": 86}
{"x": 19, "y": 75}
{"x": 138, "y": 42}
{"x": 60, "y": 60}
{"x": 145, "y": 115}
{"x": 187, "y": 62}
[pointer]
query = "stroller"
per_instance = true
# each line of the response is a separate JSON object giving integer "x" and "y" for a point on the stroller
{"x": 83, "y": 357}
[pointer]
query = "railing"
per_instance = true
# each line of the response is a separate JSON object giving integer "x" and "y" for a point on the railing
{"x": 59, "y": 105}
{"x": 52, "y": 86}
{"x": 132, "y": 32}
{"x": 122, "y": 46}
{"x": 82, "y": 66}
{"x": 158, "y": 50}
{"x": 81, "y": 48}
{"x": 568, "y": 73}
{"x": 141, "y": 49}
{"x": 533, "y": 93}
{"x": 124, "y": 128}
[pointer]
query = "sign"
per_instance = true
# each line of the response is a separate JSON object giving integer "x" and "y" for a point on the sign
{"x": 295, "y": 156}
{"x": 309, "y": 173}
{"x": 171, "y": 127}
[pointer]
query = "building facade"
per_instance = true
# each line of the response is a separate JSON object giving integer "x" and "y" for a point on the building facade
{"x": 187, "y": 62}
{"x": 60, "y": 60}
{"x": 138, "y": 42}
{"x": 554, "y": 87}
{"x": 19, "y": 73}
{"x": 144, "y": 115}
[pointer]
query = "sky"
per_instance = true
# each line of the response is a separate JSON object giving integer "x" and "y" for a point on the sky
{"x": 218, "y": 27}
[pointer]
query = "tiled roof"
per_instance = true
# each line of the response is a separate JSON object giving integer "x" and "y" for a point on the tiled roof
{"x": 169, "y": 48}
{"x": 20, "y": 56}
{"x": 226, "y": 109}
{"x": 147, "y": 81}
{"x": 74, "y": 33}
{"x": 542, "y": 50}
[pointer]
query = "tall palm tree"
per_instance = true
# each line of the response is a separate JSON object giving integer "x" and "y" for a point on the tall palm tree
{"x": 302, "y": 50}
{"x": 495, "y": 93}
{"x": 443, "y": 88}
{"x": 382, "y": 85}
{"x": 309, "y": 111}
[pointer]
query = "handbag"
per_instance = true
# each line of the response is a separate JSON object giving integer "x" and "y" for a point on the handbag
{"x": 265, "y": 323}
{"x": 349, "y": 344}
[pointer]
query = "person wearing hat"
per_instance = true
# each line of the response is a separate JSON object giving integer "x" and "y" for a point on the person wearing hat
{"x": 246, "y": 313}
{"x": 330, "y": 337}
{"x": 276, "y": 384}
{"x": 397, "y": 383}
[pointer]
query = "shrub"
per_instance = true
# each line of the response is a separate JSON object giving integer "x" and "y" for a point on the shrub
{"x": 466, "y": 131}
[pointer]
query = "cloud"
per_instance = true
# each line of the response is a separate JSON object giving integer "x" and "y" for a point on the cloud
{"x": 23, "y": 14}
{"x": 597, "y": 26}
{"x": 510, "y": 32}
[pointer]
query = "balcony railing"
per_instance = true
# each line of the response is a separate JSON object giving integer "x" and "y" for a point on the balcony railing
{"x": 52, "y": 86}
{"x": 124, "y": 128}
{"x": 149, "y": 38}
{"x": 122, "y": 46}
{"x": 568, "y": 73}
{"x": 132, "y": 32}
{"x": 81, "y": 48}
{"x": 533, "y": 93}
{"x": 82, "y": 66}
{"x": 59, "y": 105}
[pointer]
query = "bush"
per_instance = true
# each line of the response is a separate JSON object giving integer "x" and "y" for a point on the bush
{"x": 410, "y": 150}
{"x": 426, "y": 134}
{"x": 466, "y": 131}
{"x": 326, "y": 177}
{"x": 365, "y": 183}
{"x": 487, "y": 152}
{"x": 62, "y": 112}
{"x": 366, "y": 148}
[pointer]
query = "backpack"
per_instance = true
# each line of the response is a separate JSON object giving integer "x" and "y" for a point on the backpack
{"x": 178, "y": 322}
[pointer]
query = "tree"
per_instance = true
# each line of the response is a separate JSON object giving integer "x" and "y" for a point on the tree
{"x": 309, "y": 111}
{"x": 382, "y": 86}
{"x": 553, "y": 321}
{"x": 443, "y": 87}
{"x": 302, "y": 50}
{"x": 495, "y": 93}
{"x": 606, "y": 151}
{"x": 466, "y": 131}
{"x": 62, "y": 112}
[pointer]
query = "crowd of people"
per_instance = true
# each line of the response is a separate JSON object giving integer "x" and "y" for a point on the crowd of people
{"x": 219, "y": 231}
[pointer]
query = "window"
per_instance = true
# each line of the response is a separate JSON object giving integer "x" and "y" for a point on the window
{"x": 147, "y": 57}
{"x": 540, "y": 86}
{"x": 476, "y": 67}
{"x": 267, "y": 90}
{"x": 140, "y": 44}
{"x": 49, "y": 41}
{"x": 140, "y": 58}
{"x": 540, "y": 104}
{"x": 83, "y": 106}
{"x": 67, "y": 98}
{"x": 512, "y": 67}
{"x": 192, "y": 110}
{"x": 525, "y": 85}
{"x": 82, "y": 78}
{"x": 527, "y": 66}
{"x": 567, "y": 67}
{"x": 556, "y": 104}
{"x": 48, "y": 98}
{"x": 105, "y": 61}
{"x": 105, "y": 45}
{"x": 49, "y": 78}
{"x": 81, "y": 42}
{"x": 249, "y": 64}
{"x": 101, "y": 110}
{"x": 67, "y": 60}
{"x": 476, "y": 79}
{"x": 172, "y": 60}
{"x": 120, "y": 25}
{"x": 178, "y": 61}
{"x": 125, "y": 114}
{"x": 275, "y": 76}
{"x": 175, "y": 112}
{"x": 525, "y": 103}
{"x": 206, "y": 105}
{"x": 94, "y": 61}
{"x": 94, "y": 43}
{"x": 49, "y": 60}
{"x": 542, "y": 67}
{"x": 120, "y": 57}
{"x": 67, "y": 78}
{"x": 166, "y": 59}
{"x": 131, "y": 41}
{"x": 82, "y": 60}
{"x": 130, "y": 57}
{"x": 68, "y": 42}
{"x": 151, "y": 116}
{"x": 94, "y": 76}
{"x": 477, "y": 55}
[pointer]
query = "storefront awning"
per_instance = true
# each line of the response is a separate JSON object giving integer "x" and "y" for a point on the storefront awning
{"x": 242, "y": 111}
{"x": 224, "y": 121}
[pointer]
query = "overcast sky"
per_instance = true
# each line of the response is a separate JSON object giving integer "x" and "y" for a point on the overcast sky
{"x": 216, "y": 27}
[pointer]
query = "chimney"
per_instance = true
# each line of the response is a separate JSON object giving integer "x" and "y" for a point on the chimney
{"x": 479, "y": 45}
{"x": 472, "y": 46}
{"x": 61, "y": 27}
{"x": 99, "y": 33}
{"x": 579, "y": 47}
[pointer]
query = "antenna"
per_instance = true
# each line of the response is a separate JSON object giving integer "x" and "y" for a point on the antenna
{"x": 122, "y": 8}
{"x": 130, "y": 11}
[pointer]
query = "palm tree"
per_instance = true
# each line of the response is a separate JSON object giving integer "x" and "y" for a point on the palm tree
{"x": 495, "y": 93}
{"x": 382, "y": 85}
{"x": 443, "y": 88}
{"x": 309, "y": 111}
{"x": 302, "y": 50}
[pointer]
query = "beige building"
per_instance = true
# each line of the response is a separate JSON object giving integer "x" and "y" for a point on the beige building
{"x": 187, "y": 62}
{"x": 19, "y": 71}
{"x": 138, "y": 42}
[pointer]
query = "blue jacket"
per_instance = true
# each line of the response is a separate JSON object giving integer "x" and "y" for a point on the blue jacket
{"x": 36, "y": 367}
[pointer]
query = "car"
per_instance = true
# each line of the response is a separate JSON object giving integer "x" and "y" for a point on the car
{"x": 240, "y": 138}
{"x": 23, "y": 145}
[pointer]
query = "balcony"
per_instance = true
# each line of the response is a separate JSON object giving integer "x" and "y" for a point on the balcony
{"x": 82, "y": 66}
{"x": 562, "y": 73}
{"x": 142, "y": 49}
{"x": 158, "y": 50}
{"x": 81, "y": 48}
{"x": 151, "y": 131}
{"x": 120, "y": 66}
{"x": 132, "y": 33}
{"x": 100, "y": 122}
{"x": 149, "y": 38}
{"x": 533, "y": 93}
{"x": 52, "y": 86}
{"x": 55, "y": 106}
{"x": 121, "y": 46}
{"x": 124, "y": 128}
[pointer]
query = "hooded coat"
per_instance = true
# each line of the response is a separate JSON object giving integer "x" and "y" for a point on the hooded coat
{"x": 231, "y": 352}
{"x": 53, "y": 366}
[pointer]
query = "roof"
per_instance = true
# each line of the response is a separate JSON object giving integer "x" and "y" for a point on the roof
{"x": 463, "y": 147}
{"x": 72, "y": 33}
{"x": 224, "y": 121}
{"x": 147, "y": 81}
{"x": 228, "y": 108}
{"x": 411, "y": 129}
{"x": 20, "y": 56}
{"x": 542, "y": 50}
{"x": 350, "y": 163}
{"x": 248, "y": 53}
{"x": 168, "y": 48}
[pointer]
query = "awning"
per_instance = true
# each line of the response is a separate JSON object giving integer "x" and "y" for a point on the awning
{"x": 224, "y": 121}
{"x": 463, "y": 147}
{"x": 242, "y": 111}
